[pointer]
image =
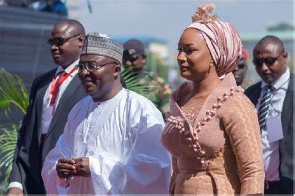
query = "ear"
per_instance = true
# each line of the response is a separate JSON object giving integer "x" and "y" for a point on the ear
{"x": 81, "y": 39}
{"x": 144, "y": 58}
{"x": 285, "y": 56}
{"x": 117, "y": 70}
{"x": 211, "y": 62}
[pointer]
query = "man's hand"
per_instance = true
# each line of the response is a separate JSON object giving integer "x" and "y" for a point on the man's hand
{"x": 65, "y": 168}
{"x": 82, "y": 167}
{"x": 15, "y": 191}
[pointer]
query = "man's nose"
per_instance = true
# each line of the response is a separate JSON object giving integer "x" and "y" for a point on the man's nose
{"x": 264, "y": 67}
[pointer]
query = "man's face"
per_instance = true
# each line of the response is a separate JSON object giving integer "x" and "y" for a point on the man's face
{"x": 270, "y": 61}
{"x": 135, "y": 62}
{"x": 65, "y": 44}
{"x": 240, "y": 72}
{"x": 98, "y": 75}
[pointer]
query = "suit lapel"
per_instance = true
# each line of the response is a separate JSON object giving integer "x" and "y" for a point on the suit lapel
{"x": 254, "y": 96}
{"x": 287, "y": 106}
{"x": 65, "y": 99}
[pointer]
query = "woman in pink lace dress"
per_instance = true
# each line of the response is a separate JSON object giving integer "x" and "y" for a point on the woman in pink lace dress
{"x": 212, "y": 130}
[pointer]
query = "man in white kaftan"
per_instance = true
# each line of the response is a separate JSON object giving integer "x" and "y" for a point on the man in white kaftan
{"x": 120, "y": 137}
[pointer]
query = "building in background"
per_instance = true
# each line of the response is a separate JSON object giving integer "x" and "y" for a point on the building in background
{"x": 23, "y": 47}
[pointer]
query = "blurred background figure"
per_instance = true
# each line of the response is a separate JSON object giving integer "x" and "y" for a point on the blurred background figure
{"x": 241, "y": 70}
{"x": 54, "y": 6}
{"x": 134, "y": 61}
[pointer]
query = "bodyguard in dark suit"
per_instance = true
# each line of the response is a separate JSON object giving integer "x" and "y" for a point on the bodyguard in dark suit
{"x": 52, "y": 96}
{"x": 276, "y": 114}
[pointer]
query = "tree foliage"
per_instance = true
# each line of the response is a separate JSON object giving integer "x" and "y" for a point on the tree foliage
{"x": 12, "y": 93}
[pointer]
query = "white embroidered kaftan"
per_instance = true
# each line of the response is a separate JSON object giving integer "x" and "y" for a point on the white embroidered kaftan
{"x": 121, "y": 137}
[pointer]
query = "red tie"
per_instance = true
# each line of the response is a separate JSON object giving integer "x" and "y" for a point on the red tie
{"x": 55, "y": 84}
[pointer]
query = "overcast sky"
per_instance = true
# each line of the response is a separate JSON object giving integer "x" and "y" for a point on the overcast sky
{"x": 166, "y": 19}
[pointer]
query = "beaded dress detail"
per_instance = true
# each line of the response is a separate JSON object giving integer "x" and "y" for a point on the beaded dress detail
{"x": 192, "y": 134}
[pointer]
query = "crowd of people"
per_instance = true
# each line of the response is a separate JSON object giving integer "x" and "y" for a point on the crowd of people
{"x": 85, "y": 132}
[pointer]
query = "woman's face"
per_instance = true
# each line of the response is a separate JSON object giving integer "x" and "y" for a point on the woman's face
{"x": 193, "y": 56}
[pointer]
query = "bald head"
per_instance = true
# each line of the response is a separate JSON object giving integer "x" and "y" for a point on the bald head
{"x": 270, "y": 39}
{"x": 72, "y": 25}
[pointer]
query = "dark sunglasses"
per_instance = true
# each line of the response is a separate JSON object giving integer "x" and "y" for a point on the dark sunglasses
{"x": 58, "y": 41}
{"x": 132, "y": 58}
{"x": 242, "y": 66}
{"x": 267, "y": 61}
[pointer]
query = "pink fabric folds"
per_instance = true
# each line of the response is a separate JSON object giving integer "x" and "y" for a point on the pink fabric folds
{"x": 223, "y": 42}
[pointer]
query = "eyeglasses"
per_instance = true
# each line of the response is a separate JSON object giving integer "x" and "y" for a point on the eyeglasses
{"x": 268, "y": 61}
{"x": 58, "y": 41}
{"x": 90, "y": 66}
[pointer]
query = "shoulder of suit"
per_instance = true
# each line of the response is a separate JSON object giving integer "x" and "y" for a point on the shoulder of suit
{"x": 291, "y": 74}
{"x": 45, "y": 76}
{"x": 253, "y": 87}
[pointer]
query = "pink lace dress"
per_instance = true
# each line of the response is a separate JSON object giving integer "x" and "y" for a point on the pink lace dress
{"x": 217, "y": 151}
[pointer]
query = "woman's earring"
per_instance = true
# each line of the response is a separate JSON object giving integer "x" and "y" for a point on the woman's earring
{"x": 210, "y": 66}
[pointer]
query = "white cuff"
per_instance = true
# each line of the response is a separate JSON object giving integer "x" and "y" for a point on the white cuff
{"x": 15, "y": 184}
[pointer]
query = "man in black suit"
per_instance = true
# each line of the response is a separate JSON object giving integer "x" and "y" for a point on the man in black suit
{"x": 52, "y": 96}
{"x": 270, "y": 60}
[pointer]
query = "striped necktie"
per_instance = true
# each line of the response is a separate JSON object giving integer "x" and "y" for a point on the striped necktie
{"x": 264, "y": 106}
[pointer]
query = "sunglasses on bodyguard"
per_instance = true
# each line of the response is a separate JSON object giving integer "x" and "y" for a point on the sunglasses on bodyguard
{"x": 267, "y": 61}
{"x": 242, "y": 66}
{"x": 59, "y": 41}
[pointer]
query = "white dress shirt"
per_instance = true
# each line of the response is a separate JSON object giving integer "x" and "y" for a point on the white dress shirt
{"x": 273, "y": 132}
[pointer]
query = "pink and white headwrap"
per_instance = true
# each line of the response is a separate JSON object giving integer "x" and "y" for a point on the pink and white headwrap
{"x": 222, "y": 39}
